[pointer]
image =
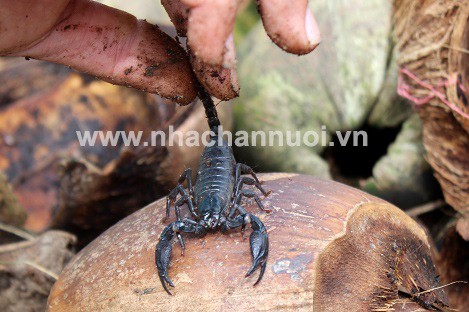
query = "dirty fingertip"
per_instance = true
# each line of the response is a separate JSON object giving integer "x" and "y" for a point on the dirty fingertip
{"x": 219, "y": 81}
{"x": 291, "y": 27}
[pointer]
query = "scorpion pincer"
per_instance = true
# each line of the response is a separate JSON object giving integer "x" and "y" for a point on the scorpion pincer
{"x": 214, "y": 201}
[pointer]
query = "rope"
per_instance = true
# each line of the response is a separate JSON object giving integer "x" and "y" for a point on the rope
{"x": 403, "y": 90}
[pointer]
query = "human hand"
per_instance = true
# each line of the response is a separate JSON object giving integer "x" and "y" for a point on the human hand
{"x": 208, "y": 25}
{"x": 116, "y": 47}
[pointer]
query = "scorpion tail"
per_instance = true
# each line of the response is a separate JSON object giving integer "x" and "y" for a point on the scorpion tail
{"x": 163, "y": 255}
{"x": 259, "y": 242}
{"x": 210, "y": 110}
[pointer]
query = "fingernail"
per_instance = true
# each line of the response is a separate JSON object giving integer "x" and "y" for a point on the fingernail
{"x": 229, "y": 58}
{"x": 312, "y": 29}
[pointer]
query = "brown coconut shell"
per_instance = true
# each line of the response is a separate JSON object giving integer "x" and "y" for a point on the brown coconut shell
{"x": 332, "y": 248}
{"x": 29, "y": 268}
{"x": 433, "y": 43}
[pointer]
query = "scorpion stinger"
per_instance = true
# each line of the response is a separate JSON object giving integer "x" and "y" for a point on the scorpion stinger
{"x": 214, "y": 201}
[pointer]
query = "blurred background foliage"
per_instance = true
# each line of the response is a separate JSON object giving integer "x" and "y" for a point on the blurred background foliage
{"x": 348, "y": 83}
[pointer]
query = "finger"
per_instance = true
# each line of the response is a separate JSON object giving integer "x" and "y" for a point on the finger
{"x": 115, "y": 47}
{"x": 210, "y": 40}
{"x": 210, "y": 25}
{"x": 219, "y": 81}
{"x": 290, "y": 25}
{"x": 178, "y": 13}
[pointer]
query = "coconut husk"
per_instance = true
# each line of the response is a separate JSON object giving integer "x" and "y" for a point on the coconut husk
{"x": 432, "y": 39}
{"x": 453, "y": 265}
{"x": 29, "y": 268}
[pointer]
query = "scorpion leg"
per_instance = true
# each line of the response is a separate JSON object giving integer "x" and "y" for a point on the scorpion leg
{"x": 258, "y": 240}
{"x": 187, "y": 176}
{"x": 242, "y": 168}
{"x": 249, "y": 194}
{"x": 239, "y": 192}
{"x": 164, "y": 247}
{"x": 178, "y": 204}
{"x": 249, "y": 181}
{"x": 179, "y": 189}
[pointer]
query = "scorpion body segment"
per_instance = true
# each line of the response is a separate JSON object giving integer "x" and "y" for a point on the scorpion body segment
{"x": 214, "y": 183}
{"x": 214, "y": 201}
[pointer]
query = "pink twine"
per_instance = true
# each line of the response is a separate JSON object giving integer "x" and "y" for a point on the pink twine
{"x": 403, "y": 90}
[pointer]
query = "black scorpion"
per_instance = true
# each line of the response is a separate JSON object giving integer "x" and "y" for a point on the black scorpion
{"x": 214, "y": 201}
